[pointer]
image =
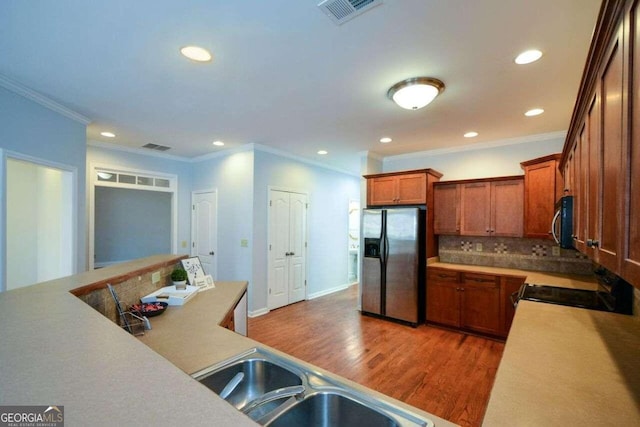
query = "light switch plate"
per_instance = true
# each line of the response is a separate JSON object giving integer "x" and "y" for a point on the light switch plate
{"x": 155, "y": 277}
{"x": 478, "y": 247}
{"x": 244, "y": 243}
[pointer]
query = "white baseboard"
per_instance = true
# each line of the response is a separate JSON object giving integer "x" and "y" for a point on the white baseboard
{"x": 258, "y": 312}
{"x": 263, "y": 311}
{"x": 328, "y": 291}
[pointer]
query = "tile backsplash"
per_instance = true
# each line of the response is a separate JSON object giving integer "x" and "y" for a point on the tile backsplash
{"x": 511, "y": 252}
{"x": 129, "y": 291}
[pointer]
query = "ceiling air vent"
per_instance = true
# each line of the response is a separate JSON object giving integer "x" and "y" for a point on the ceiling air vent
{"x": 156, "y": 147}
{"x": 340, "y": 11}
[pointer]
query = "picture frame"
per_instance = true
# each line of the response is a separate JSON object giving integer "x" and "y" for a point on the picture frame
{"x": 193, "y": 268}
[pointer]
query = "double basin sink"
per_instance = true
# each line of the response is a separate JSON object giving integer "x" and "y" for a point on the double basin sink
{"x": 275, "y": 391}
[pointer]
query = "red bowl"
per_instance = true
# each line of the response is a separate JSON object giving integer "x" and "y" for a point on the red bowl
{"x": 149, "y": 309}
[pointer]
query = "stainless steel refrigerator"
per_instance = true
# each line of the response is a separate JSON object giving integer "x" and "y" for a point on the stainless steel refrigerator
{"x": 393, "y": 263}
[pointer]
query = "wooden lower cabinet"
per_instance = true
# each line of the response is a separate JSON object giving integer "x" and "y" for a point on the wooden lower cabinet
{"x": 443, "y": 304}
{"x": 476, "y": 302}
{"x": 480, "y": 303}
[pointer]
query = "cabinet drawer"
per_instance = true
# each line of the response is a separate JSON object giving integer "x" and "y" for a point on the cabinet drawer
{"x": 442, "y": 275}
{"x": 476, "y": 279}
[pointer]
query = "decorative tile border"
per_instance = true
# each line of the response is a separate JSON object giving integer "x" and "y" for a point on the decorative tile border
{"x": 509, "y": 252}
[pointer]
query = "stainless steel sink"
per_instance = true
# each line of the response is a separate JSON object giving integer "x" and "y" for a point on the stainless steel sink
{"x": 276, "y": 391}
{"x": 260, "y": 377}
{"x": 331, "y": 409}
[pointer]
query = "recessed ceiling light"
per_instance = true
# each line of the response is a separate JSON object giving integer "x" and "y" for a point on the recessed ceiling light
{"x": 108, "y": 134}
{"x": 386, "y": 140}
{"x": 323, "y": 152}
{"x": 528, "y": 57}
{"x": 534, "y": 112}
{"x": 196, "y": 53}
{"x": 218, "y": 143}
{"x": 471, "y": 134}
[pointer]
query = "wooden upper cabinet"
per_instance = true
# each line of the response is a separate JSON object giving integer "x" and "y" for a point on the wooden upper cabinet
{"x": 492, "y": 207}
{"x": 475, "y": 208}
{"x": 409, "y": 189}
{"x": 542, "y": 188}
{"x": 630, "y": 215}
{"x": 446, "y": 207}
{"x": 507, "y": 208}
{"x": 609, "y": 220}
{"x": 603, "y": 144}
{"x": 382, "y": 191}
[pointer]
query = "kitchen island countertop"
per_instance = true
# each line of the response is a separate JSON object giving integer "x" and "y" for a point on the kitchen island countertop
{"x": 57, "y": 350}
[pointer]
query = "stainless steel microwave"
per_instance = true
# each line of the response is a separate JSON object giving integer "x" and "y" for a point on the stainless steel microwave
{"x": 562, "y": 225}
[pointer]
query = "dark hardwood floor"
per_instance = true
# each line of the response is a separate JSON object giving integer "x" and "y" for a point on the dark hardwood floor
{"x": 446, "y": 373}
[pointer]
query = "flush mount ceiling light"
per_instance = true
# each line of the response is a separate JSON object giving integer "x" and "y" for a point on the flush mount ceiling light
{"x": 218, "y": 143}
{"x": 386, "y": 140}
{"x": 196, "y": 53}
{"x": 534, "y": 112}
{"x": 470, "y": 134}
{"x": 528, "y": 57}
{"x": 323, "y": 152}
{"x": 416, "y": 92}
{"x": 108, "y": 134}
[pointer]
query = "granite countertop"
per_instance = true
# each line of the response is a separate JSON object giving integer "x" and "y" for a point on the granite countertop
{"x": 566, "y": 366}
{"x": 57, "y": 350}
{"x": 575, "y": 281}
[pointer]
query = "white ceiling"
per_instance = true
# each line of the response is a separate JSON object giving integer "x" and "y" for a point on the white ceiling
{"x": 285, "y": 76}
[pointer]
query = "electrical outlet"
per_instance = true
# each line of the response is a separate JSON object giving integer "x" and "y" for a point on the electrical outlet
{"x": 155, "y": 277}
{"x": 478, "y": 247}
{"x": 555, "y": 250}
{"x": 244, "y": 243}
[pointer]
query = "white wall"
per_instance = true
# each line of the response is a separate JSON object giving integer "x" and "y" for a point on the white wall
{"x": 480, "y": 161}
{"x": 327, "y": 218}
{"x": 29, "y": 129}
{"x": 232, "y": 177}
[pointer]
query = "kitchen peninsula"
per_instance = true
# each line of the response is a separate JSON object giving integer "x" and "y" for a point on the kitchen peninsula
{"x": 57, "y": 350}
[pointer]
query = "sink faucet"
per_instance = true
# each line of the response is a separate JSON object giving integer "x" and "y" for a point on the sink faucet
{"x": 296, "y": 390}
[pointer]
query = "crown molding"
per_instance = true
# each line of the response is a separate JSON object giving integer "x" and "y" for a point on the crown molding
{"x": 281, "y": 153}
{"x": 34, "y": 96}
{"x": 218, "y": 154}
{"x": 223, "y": 153}
{"x": 482, "y": 145}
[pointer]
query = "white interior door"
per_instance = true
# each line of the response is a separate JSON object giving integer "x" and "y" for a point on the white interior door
{"x": 205, "y": 231}
{"x": 297, "y": 249}
{"x": 287, "y": 248}
{"x": 278, "y": 250}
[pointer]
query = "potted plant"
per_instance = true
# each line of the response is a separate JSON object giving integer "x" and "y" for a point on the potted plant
{"x": 179, "y": 278}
